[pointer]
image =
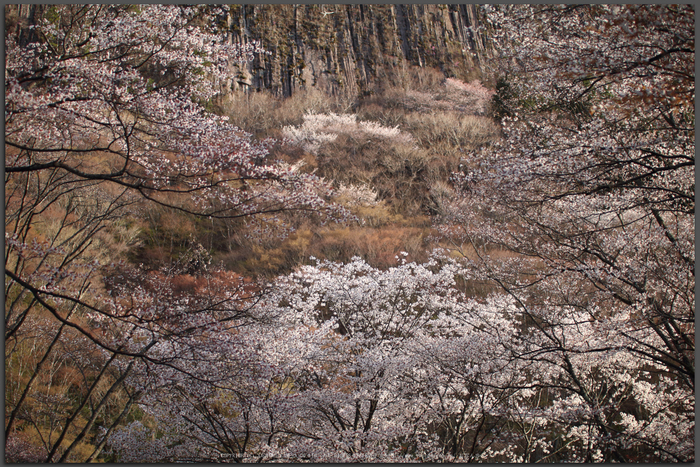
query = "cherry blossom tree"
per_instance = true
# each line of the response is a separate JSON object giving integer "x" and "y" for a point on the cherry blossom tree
{"x": 345, "y": 362}
{"x": 105, "y": 113}
{"x": 358, "y": 364}
{"x": 584, "y": 214}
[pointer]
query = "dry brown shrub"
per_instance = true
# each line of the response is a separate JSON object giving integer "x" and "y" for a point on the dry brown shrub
{"x": 395, "y": 171}
{"x": 427, "y": 90}
{"x": 264, "y": 115}
{"x": 184, "y": 283}
{"x": 268, "y": 259}
{"x": 451, "y": 129}
{"x": 312, "y": 100}
{"x": 376, "y": 109}
{"x": 376, "y": 216}
{"x": 409, "y": 100}
{"x": 252, "y": 112}
{"x": 409, "y": 77}
{"x": 379, "y": 247}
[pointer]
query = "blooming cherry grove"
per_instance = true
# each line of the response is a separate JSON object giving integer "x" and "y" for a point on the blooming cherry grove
{"x": 556, "y": 326}
{"x": 104, "y": 114}
{"x": 584, "y": 214}
{"x": 360, "y": 364}
{"x": 353, "y": 369}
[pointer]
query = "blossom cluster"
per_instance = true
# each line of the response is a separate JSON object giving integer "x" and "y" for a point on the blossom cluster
{"x": 319, "y": 129}
{"x": 359, "y": 364}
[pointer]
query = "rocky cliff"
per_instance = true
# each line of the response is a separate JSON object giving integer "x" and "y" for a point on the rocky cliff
{"x": 350, "y": 48}
{"x": 339, "y": 48}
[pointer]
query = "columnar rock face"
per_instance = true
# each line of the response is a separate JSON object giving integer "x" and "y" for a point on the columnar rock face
{"x": 348, "y": 48}
{"x": 339, "y": 48}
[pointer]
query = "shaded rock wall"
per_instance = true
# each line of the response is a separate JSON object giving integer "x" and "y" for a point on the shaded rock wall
{"x": 349, "y": 48}
{"x": 339, "y": 48}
